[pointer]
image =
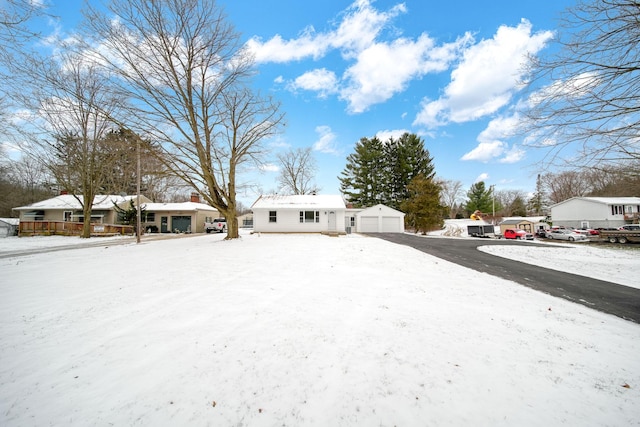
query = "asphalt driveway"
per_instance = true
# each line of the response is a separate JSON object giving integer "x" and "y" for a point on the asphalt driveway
{"x": 621, "y": 301}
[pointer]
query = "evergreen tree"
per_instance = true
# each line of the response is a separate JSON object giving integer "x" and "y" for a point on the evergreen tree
{"x": 537, "y": 202}
{"x": 423, "y": 209}
{"x": 380, "y": 172}
{"x": 363, "y": 178}
{"x": 406, "y": 159}
{"x": 479, "y": 198}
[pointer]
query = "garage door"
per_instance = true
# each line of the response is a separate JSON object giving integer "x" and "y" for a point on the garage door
{"x": 391, "y": 224}
{"x": 369, "y": 224}
{"x": 181, "y": 224}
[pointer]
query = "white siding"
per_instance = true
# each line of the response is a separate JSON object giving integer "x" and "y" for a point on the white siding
{"x": 380, "y": 219}
{"x": 368, "y": 224}
{"x": 391, "y": 224}
{"x": 288, "y": 221}
{"x": 597, "y": 211}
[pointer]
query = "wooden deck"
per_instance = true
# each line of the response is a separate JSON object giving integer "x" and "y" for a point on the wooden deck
{"x": 67, "y": 228}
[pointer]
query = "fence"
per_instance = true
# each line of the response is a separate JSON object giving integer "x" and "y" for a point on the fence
{"x": 67, "y": 228}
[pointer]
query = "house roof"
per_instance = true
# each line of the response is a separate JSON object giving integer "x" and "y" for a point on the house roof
{"x": 68, "y": 201}
{"x": 515, "y": 221}
{"x": 319, "y": 201}
{"x": 606, "y": 200}
{"x": 170, "y": 207}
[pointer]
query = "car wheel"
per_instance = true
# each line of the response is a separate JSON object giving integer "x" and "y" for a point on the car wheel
{"x": 550, "y": 237}
{"x": 613, "y": 240}
{"x": 571, "y": 239}
{"x": 208, "y": 230}
{"x": 622, "y": 239}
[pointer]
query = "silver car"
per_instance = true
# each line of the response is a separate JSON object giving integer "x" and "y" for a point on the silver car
{"x": 565, "y": 235}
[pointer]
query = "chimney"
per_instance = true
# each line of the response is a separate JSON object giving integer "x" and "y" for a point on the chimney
{"x": 195, "y": 197}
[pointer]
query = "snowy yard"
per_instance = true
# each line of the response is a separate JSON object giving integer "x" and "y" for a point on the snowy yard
{"x": 304, "y": 330}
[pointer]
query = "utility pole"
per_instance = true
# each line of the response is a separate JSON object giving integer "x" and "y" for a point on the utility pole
{"x": 138, "y": 222}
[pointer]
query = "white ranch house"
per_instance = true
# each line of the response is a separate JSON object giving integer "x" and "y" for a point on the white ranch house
{"x": 596, "y": 212}
{"x": 299, "y": 214}
{"x": 321, "y": 214}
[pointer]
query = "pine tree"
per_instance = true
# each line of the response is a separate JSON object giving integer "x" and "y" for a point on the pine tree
{"x": 479, "y": 198}
{"x": 363, "y": 178}
{"x": 379, "y": 172}
{"x": 422, "y": 206}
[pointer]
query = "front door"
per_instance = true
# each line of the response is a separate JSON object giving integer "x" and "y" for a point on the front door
{"x": 332, "y": 221}
{"x": 164, "y": 227}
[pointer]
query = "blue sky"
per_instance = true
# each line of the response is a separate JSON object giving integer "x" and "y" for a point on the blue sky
{"x": 447, "y": 71}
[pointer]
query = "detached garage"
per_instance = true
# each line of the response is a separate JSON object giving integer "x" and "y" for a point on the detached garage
{"x": 380, "y": 219}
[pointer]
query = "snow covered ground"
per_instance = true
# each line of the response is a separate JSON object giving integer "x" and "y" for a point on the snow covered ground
{"x": 304, "y": 330}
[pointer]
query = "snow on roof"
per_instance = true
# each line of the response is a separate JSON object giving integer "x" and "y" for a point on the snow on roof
{"x": 606, "y": 200}
{"x": 322, "y": 201}
{"x": 11, "y": 221}
{"x": 68, "y": 201}
{"x": 184, "y": 206}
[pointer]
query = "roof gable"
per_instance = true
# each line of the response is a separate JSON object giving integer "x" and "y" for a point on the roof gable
{"x": 378, "y": 209}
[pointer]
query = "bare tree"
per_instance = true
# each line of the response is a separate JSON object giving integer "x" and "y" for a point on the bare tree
{"x": 72, "y": 106}
{"x": 452, "y": 195}
{"x": 565, "y": 185}
{"x": 511, "y": 202}
{"x": 184, "y": 69}
{"x": 593, "y": 101}
{"x": 297, "y": 171}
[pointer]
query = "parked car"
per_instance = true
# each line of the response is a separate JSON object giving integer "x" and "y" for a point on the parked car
{"x": 587, "y": 231}
{"x": 217, "y": 225}
{"x": 541, "y": 233}
{"x": 517, "y": 234}
{"x": 569, "y": 235}
{"x": 630, "y": 227}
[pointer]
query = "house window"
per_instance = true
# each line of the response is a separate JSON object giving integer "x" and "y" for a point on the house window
{"x": 273, "y": 216}
{"x": 617, "y": 210}
{"x": 309, "y": 216}
{"x": 352, "y": 221}
{"x": 67, "y": 215}
{"x": 150, "y": 217}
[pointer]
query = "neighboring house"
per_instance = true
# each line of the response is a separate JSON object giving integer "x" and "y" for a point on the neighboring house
{"x": 299, "y": 214}
{"x": 596, "y": 212}
{"x": 67, "y": 208}
{"x": 186, "y": 217}
{"x": 9, "y": 227}
{"x": 245, "y": 221}
{"x": 183, "y": 217}
{"x": 379, "y": 219}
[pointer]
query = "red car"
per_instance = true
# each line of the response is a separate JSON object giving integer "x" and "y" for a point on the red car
{"x": 517, "y": 235}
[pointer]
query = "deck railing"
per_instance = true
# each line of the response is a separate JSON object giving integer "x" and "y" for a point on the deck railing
{"x": 68, "y": 228}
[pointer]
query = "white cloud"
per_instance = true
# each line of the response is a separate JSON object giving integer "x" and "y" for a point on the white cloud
{"x": 488, "y": 75}
{"x": 486, "y": 151}
{"x": 360, "y": 26}
{"x": 269, "y": 167}
{"x": 326, "y": 142}
{"x": 482, "y": 177}
{"x": 514, "y": 155}
{"x": 492, "y": 142}
{"x": 384, "y": 135}
{"x": 369, "y": 79}
{"x": 320, "y": 80}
